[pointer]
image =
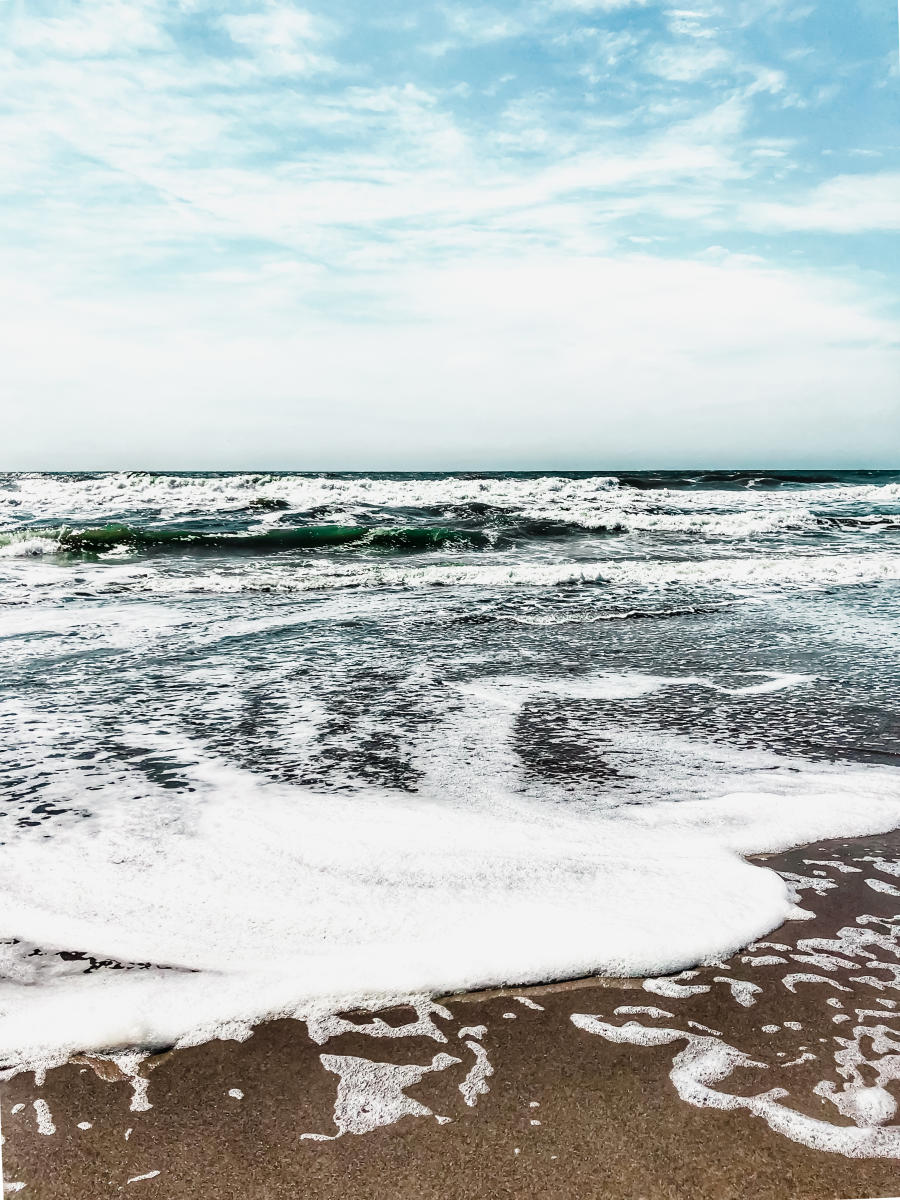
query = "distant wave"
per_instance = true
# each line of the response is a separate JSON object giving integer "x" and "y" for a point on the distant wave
{"x": 645, "y": 500}
{"x": 109, "y": 538}
{"x": 871, "y": 521}
{"x": 477, "y": 530}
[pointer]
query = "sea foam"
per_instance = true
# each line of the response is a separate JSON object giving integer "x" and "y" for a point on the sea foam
{"x": 245, "y": 899}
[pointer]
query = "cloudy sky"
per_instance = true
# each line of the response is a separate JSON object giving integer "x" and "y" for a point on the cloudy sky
{"x": 534, "y": 233}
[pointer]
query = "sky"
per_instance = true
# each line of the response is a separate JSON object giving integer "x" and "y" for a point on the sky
{"x": 538, "y": 233}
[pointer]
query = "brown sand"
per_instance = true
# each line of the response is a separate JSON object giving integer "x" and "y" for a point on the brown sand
{"x": 610, "y": 1121}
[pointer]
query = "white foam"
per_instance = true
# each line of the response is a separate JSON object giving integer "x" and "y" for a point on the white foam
{"x": 637, "y": 1010}
{"x": 841, "y": 867}
{"x": 863, "y": 1105}
{"x": 372, "y": 1094}
{"x": 305, "y": 903}
{"x": 475, "y": 1031}
{"x": 22, "y": 546}
{"x": 511, "y": 690}
{"x": 825, "y": 962}
{"x": 881, "y": 885}
{"x": 744, "y": 993}
{"x": 704, "y": 1028}
{"x": 804, "y": 1057}
{"x": 883, "y": 864}
{"x": 324, "y": 1026}
{"x": 709, "y": 578}
{"x": 44, "y": 1118}
{"x": 674, "y": 990}
{"x": 114, "y": 625}
{"x": 791, "y": 981}
{"x": 706, "y": 1061}
{"x": 476, "y": 1083}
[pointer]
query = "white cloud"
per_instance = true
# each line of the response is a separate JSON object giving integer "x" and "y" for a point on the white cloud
{"x": 281, "y": 37}
{"x": 845, "y": 204}
{"x": 482, "y": 25}
{"x": 689, "y": 23}
{"x": 102, "y": 28}
{"x": 686, "y": 64}
{"x": 592, "y": 6}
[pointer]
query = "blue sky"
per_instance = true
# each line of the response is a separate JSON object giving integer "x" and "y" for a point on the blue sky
{"x": 543, "y": 233}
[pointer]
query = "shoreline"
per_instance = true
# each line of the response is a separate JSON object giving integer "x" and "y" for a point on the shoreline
{"x": 482, "y": 1106}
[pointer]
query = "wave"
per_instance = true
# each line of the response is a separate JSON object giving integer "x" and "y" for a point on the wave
{"x": 494, "y": 529}
{"x": 111, "y": 538}
{"x": 870, "y": 521}
{"x": 719, "y": 480}
{"x": 744, "y": 502}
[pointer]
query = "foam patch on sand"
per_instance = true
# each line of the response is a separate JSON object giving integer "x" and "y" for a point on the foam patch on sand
{"x": 706, "y": 1061}
{"x": 371, "y": 1094}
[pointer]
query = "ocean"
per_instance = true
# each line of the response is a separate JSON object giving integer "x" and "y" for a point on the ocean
{"x": 280, "y": 742}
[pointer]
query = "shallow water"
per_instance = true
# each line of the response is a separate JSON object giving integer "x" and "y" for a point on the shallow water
{"x": 271, "y": 740}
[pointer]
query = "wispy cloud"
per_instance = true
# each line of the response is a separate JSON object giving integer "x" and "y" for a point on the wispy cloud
{"x": 687, "y": 64}
{"x": 108, "y": 27}
{"x": 282, "y": 39}
{"x": 847, "y": 204}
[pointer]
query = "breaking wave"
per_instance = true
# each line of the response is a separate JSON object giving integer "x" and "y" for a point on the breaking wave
{"x": 111, "y": 538}
{"x": 715, "y": 504}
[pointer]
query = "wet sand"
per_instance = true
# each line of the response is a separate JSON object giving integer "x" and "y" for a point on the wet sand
{"x": 568, "y": 1113}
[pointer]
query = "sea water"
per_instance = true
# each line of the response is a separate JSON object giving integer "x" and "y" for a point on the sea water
{"x": 280, "y": 743}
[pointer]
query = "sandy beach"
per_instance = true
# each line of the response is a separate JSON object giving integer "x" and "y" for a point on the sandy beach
{"x": 542, "y": 1109}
